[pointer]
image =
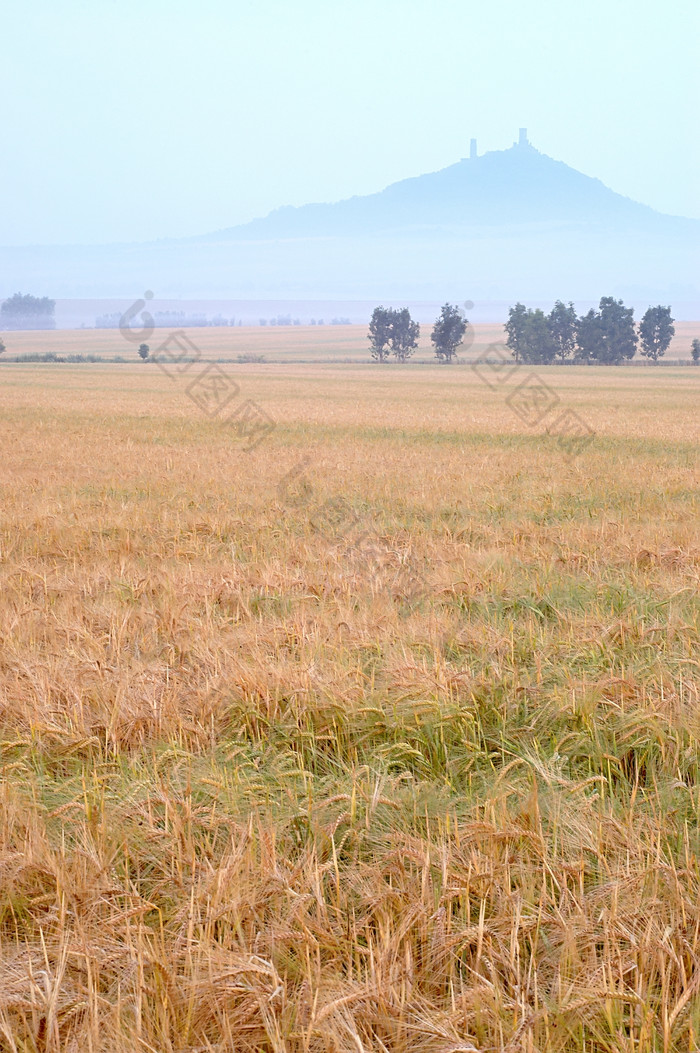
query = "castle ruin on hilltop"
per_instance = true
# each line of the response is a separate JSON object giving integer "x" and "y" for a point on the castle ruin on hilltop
{"x": 522, "y": 141}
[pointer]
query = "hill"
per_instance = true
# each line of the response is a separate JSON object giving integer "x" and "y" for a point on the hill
{"x": 499, "y": 189}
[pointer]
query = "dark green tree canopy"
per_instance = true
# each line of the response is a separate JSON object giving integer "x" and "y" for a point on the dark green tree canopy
{"x": 515, "y": 328}
{"x": 404, "y": 335}
{"x": 656, "y": 330}
{"x": 606, "y": 336}
{"x": 380, "y": 333}
{"x": 562, "y": 328}
{"x": 537, "y": 342}
{"x": 589, "y": 337}
{"x": 618, "y": 332}
{"x": 448, "y": 332}
{"x": 392, "y": 331}
{"x": 529, "y": 335}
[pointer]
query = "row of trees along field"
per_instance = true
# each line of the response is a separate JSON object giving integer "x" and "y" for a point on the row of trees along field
{"x": 607, "y": 336}
{"x": 392, "y": 331}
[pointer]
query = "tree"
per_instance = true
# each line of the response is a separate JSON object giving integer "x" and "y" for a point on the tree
{"x": 2, "y": 346}
{"x": 695, "y": 351}
{"x": 143, "y": 351}
{"x": 515, "y": 328}
{"x": 608, "y": 335}
{"x": 536, "y": 340}
{"x": 448, "y": 332}
{"x": 656, "y": 330}
{"x": 392, "y": 331}
{"x": 529, "y": 335}
{"x": 23, "y": 311}
{"x": 562, "y": 327}
{"x": 404, "y": 335}
{"x": 379, "y": 333}
{"x": 619, "y": 334}
{"x": 589, "y": 337}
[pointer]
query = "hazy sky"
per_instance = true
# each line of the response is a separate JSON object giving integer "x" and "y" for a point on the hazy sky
{"x": 126, "y": 120}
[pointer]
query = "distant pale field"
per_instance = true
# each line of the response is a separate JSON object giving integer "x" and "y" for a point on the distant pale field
{"x": 380, "y": 736}
{"x": 277, "y": 343}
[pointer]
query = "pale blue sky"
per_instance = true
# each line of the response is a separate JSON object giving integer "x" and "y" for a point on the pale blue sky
{"x": 125, "y": 120}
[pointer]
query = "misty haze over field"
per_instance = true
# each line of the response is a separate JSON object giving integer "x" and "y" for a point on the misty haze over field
{"x": 296, "y": 152}
{"x": 505, "y": 225}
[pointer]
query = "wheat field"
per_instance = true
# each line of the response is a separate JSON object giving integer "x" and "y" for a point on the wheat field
{"x": 379, "y": 733}
{"x": 281, "y": 344}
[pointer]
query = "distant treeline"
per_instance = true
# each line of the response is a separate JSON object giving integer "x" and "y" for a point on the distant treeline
{"x": 22, "y": 311}
{"x": 280, "y": 319}
{"x": 51, "y": 356}
{"x": 286, "y": 319}
{"x": 182, "y": 320}
{"x": 170, "y": 320}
